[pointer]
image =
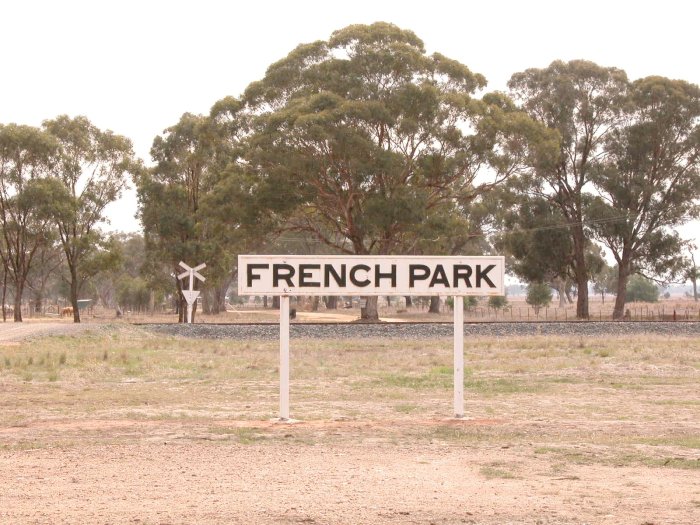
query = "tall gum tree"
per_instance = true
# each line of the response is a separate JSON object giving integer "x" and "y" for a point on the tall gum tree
{"x": 193, "y": 203}
{"x": 650, "y": 180}
{"x": 92, "y": 172}
{"x": 169, "y": 195}
{"x": 366, "y": 134}
{"x": 27, "y": 155}
{"x": 531, "y": 232}
{"x": 584, "y": 103}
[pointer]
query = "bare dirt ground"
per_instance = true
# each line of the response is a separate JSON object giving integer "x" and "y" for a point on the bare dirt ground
{"x": 122, "y": 426}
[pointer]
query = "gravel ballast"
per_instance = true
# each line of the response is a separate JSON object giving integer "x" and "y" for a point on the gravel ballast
{"x": 425, "y": 330}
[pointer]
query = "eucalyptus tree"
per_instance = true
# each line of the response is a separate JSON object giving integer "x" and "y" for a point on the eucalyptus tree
{"x": 195, "y": 203}
{"x": 27, "y": 155}
{"x": 91, "y": 173}
{"x": 365, "y": 135}
{"x": 584, "y": 103}
{"x": 652, "y": 177}
{"x": 170, "y": 193}
{"x": 46, "y": 269}
{"x": 536, "y": 237}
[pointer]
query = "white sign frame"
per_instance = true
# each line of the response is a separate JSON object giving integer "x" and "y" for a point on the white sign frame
{"x": 369, "y": 275}
{"x": 455, "y": 276}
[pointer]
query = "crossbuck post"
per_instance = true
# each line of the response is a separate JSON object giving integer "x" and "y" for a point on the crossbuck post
{"x": 191, "y": 294}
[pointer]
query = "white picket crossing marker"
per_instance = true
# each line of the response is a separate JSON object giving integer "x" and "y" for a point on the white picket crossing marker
{"x": 191, "y": 294}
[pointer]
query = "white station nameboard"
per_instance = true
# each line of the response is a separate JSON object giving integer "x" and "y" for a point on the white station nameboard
{"x": 370, "y": 275}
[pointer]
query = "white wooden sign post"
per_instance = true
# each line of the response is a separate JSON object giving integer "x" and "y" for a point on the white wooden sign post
{"x": 285, "y": 275}
{"x": 191, "y": 294}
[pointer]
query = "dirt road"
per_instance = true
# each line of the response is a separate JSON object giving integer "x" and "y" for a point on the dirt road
{"x": 176, "y": 473}
{"x": 11, "y": 332}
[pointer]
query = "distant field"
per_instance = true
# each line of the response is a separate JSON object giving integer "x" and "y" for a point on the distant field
{"x": 119, "y": 425}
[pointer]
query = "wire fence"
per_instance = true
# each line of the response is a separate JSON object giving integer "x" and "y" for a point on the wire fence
{"x": 690, "y": 311}
{"x": 545, "y": 314}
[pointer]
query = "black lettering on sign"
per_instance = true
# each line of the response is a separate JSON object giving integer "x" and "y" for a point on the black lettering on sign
{"x": 282, "y": 272}
{"x": 249, "y": 272}
{"x": 417, "y": 272}
{"x": 439, "y": 277}
{"x": 304, "y": 274}
{"x": 461, "y": 271}
{"x": 378, "y": 275}
{"x": 353, "y": 275}
{"x": 340, "y": 279}
{"x": 481, "y": 274}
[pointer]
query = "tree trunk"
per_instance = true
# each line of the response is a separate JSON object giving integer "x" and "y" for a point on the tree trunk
{"x": 18, "y": 303}
{"x": 314, "y": 303}
{"x": 217, "y": 297}
{"x": 212, "y": 301}
{"x": 38, "y": 300}
{"x": 568, "y": 294}
{"x": 276, "y": 302}
{"x": 370, "y": 311}
{"x": 409, "y": 301}
{"x": 208, "y": 301}
{"x": 582, "y": 310}
{"x": 74, "y": 295}
{"x": 581, "y": 272}
{"x": 561, "y": 290}
{"x": 264, "y": 301}
{"x": 695, "y": 290}
{"x": 221, "y": 296}
{"x": 623, "y": 274}
{"x": 4, "y": 296}
{"x": 181, "y": 309}
{"x": 331, "y": 302}
{"x": 180, "y": 302}
{"x": 388, "y": 300}
{"x": 434, "y": 305}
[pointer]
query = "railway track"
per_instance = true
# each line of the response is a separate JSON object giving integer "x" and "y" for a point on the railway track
{"x": 427, "y": 330}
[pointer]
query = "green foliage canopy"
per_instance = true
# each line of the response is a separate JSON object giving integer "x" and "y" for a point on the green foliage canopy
{"x": 538, "y": 295}
{"x": 641, "y": 289}
{"x": 363, "y": 136}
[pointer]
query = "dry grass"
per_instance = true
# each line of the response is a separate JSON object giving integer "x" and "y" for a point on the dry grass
{"x": 600, "y": 400}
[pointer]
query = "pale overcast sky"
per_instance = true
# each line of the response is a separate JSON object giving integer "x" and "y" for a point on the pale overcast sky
{"x": 135, "y": 66}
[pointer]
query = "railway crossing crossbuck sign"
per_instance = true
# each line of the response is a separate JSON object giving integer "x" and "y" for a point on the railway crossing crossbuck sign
{"x": 191, "y": 294}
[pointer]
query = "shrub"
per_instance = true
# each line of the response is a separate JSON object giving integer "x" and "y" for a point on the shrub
{"x": 469, "y": 301}
{"x": 641, "y": 289}
{"x": 538, "y": 295}
{"x": 498, "y": 301}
